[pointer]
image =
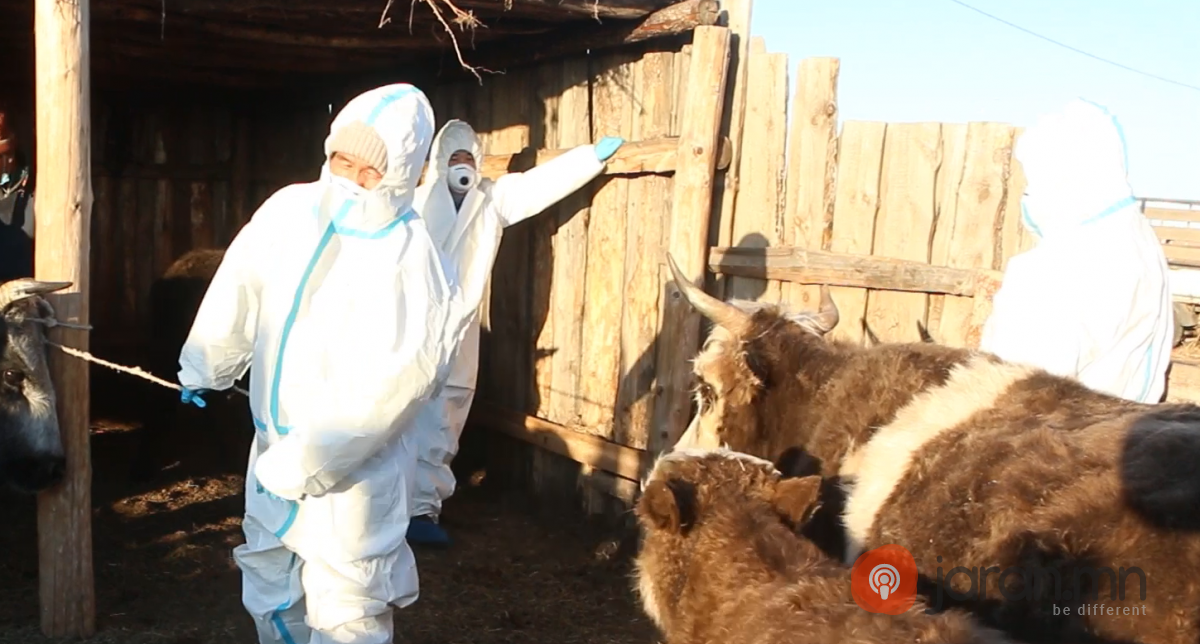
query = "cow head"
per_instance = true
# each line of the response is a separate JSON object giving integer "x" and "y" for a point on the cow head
{"x": 725, "y": 513}
{"x": 752, "y": 349}
{"x": 31, "y": 449}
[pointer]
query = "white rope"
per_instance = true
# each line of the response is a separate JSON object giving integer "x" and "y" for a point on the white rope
{"x": 133, "y": 371}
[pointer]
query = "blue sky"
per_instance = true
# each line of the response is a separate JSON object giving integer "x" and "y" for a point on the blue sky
{"x": 934, "y": 60}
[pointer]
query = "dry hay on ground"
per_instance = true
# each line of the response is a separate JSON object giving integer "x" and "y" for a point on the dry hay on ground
{"x": 164, "y": 574}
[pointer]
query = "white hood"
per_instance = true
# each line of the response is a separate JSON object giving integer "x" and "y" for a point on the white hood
{"x": 434, "y": 201}
{"x": 403, "y": 118}
{"x": 1075, "y": 167}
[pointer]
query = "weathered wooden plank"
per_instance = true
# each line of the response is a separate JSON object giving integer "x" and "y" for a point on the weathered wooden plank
{"x": 654, "y": 156}
{"x": 949, "y": 177}
{"x": 737, "y": 16}
{"x": 911, "y": 155}
{"x": 570, "y": 251}
{"x": 509, "y": 346}
{"x": 856, "y": 202}
{"x": 648, "y": 202}
{"x": 812, "y": 162}
{"x": 1015, "y": 237}
{"x": 672, "y": 20}
{"x": 978, "y": 220}
{"x": 240, "y": 181}
{"x": 690, "y": 216}
{"x": 63, "y": 253}
{"x": 758, "y": 220}
{"x": 581, "y": 447}
{"x": 127, "y": 205}
{"x": 612, "y": 115}
{"x": 804, "y": 266}
{"x": 547, "y": 85}
{"x": 1167, "y": 234}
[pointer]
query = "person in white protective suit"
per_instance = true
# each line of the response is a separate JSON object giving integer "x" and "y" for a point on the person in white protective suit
{"x": 337, "y": 298}
{"x": 466, "y": 215}
{"x": 1092, "y": 299}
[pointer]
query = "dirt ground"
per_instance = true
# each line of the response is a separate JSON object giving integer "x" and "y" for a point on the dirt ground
{"x": 164, "y": 573}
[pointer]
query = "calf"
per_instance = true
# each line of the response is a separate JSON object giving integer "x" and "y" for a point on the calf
{"x": 31, "y": 449}
{"x": 977, "y": 466}
{"x": 720, "y": 562}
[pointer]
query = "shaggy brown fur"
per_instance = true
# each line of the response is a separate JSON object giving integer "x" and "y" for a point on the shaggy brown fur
{"x": 720, "y": 562}
{"x": 209, "y": 440}
{"x": 968, "y": 461}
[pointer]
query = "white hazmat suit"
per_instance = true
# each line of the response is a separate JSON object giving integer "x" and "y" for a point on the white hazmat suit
{"x": 338, "y": 298}
{"x": 470, "y": 236}
{"x": 1092, "y": 300}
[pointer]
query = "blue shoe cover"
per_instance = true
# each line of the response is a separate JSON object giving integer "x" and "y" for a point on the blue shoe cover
{"x": 423, "y": 531}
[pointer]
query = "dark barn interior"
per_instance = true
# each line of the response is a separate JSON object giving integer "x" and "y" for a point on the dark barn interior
{"x": 200, "y": 110}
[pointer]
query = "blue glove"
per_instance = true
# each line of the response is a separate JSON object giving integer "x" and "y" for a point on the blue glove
{"x": 192, "y": 396}
{"x": 608, "y": 146}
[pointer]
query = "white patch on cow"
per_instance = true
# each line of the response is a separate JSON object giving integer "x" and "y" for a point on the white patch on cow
{"x": 43, "y": 425}
{"x": 645, "y": 589}
{"x": 879, "y": 465}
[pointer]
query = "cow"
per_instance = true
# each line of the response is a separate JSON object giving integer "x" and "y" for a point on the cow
{"x": 209, "y": 440}
{"x": 31, "y": 448}
{"x": 720, "y": 561}
{"x": 969, "y": 461}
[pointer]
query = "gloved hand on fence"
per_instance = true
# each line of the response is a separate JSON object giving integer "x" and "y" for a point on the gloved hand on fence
{"x": 608, "y": 146}
{"x": 192, "y": 396}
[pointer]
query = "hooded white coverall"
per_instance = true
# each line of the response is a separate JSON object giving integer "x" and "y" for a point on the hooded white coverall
{"x": 1092, "y": 300}
{"x": 338, "y": 298}
{"x": 470, "y": 237}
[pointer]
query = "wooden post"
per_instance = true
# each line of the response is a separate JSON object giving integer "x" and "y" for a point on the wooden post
{"x": 691, "y": 207}
{"x": 64, "y": 206}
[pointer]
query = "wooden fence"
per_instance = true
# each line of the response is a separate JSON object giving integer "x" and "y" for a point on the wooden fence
{"x": 911, "y": 222}
{"x": 572, "y": 359}
{"x": 839, "y": 207}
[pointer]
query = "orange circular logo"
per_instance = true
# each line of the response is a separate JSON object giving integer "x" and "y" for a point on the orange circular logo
{"x": 884, "y": 580}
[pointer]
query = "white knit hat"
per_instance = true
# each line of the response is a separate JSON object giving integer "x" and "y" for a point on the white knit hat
{"x": 361, "y": 140}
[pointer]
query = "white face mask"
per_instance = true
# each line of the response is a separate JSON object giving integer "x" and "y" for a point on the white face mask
{"x": 461, "y": 177}
{"x": 348, "y": 189}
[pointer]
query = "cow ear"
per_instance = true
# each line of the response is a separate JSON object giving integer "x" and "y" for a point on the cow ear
{"x": 796, "y": 462}
{"x": 668, "y": 505}
{"x": 796, "y": 499}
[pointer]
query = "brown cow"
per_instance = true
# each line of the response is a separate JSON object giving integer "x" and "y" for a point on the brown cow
{"x": 720, "y": 562}
{"x": 972, "y": 462}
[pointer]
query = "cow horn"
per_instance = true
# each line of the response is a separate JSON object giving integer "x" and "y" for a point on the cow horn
{"x": 827, "y": 316}
{"x": 19, "y": 289}
{"x": 721, "y": 313}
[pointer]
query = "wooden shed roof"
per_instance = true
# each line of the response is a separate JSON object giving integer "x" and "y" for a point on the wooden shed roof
{"x": 256, "y": 41}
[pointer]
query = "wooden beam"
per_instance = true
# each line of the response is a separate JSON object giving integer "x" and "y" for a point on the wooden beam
{"x": 655, "y": 156}
{"x": 63, "y": 227}
{"x": 691, "y": 208}
{"x": 539, "y": 9}
{"x": 673, "y": 20}
{"x": 804, "y": 266}
{"x": 591, "y": 450}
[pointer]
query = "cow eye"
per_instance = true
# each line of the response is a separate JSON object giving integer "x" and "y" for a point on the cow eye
{"x": 12, "y": 377}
